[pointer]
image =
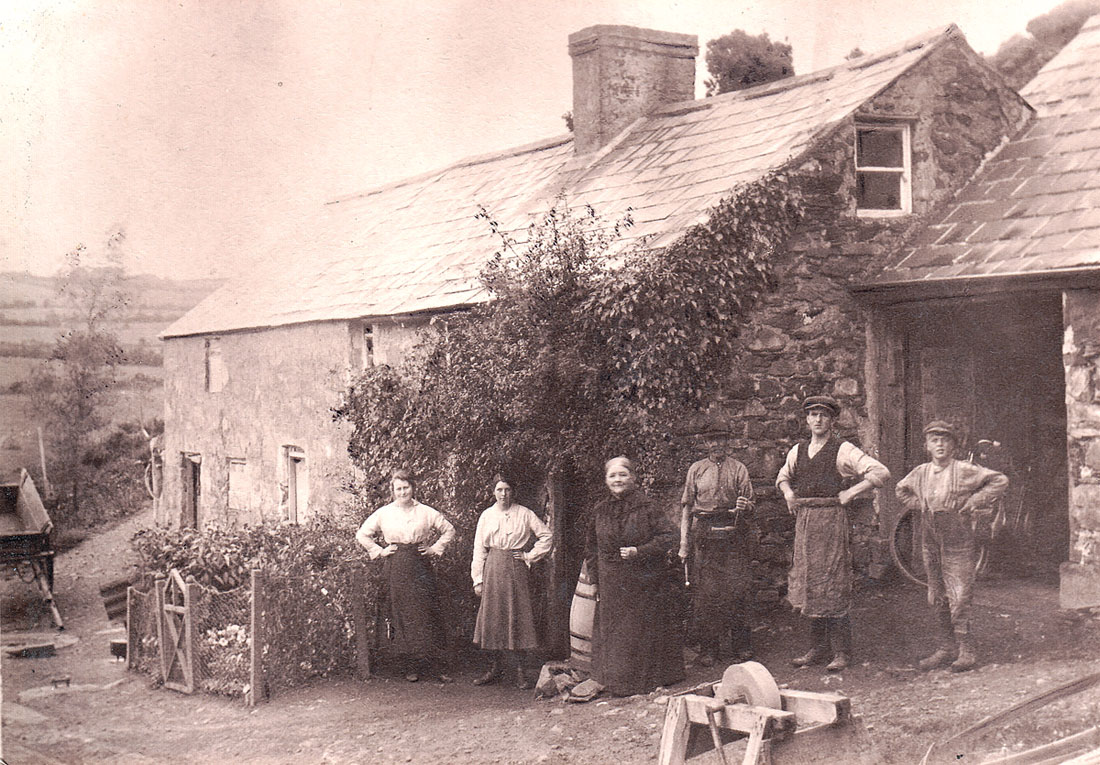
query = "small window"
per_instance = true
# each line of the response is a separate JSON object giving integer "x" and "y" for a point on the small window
{"x": 238, "y": 485}
{"x": 216, "y": 373}
{"x": 297, "y": 483}
{"x": 368, "y": 346}
{"x": 883, "y": 172}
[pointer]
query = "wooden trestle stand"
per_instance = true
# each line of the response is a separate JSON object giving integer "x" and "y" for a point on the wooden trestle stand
{"x": 783, "y": 727}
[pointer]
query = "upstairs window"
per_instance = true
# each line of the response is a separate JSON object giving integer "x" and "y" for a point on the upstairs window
{"x": 217, "y": 374}
{"x": 883, "y": 170}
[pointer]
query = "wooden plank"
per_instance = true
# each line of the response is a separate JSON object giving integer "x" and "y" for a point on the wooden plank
{"x": 738, "y": 717}
{"x": 674, "y": 735}
{"x": 131, "y": 630}
{"x": 158, "y": 587}
{"x": 190, "y": 591}
{"x": 256, "y": 668}
{"x": 818, "y": 708}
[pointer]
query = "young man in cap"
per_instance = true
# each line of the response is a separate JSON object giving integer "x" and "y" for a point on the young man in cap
{"x": 814, "y": 482}
{"x": 949, "y": 494}
{"x": 715, "y": 533}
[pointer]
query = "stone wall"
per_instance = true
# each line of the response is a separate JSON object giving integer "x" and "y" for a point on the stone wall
{"x": 1080, "y": 576}
{"x": 811, "y": 336}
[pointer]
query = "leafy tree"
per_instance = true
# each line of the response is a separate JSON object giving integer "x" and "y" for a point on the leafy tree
{"x": 739, "y": 60}
{"x": 73, "y": 391}
{"x": 589, "y": 347}
{"x": 1021, "y": 57}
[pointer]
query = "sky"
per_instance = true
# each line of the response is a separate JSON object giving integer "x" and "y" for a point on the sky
{"x": 204, "y": 129}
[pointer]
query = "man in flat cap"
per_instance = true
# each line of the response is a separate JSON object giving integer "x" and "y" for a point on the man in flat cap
{"x": 715, "y": 533}
{"x": 814, "y": 481}
{"x": 949, "y": 494}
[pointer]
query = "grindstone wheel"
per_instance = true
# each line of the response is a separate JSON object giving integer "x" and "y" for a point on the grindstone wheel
{"x": 750, "y": 682}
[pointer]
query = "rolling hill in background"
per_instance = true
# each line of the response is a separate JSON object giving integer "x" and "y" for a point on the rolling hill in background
{"x": 32, "y": 317}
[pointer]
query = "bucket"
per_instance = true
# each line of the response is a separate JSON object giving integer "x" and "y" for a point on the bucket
{"x": 582, "y": 616}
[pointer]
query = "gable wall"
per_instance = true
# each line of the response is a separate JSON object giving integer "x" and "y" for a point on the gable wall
{"x": 279, "y": 387}
{"x": 810, "y": 336}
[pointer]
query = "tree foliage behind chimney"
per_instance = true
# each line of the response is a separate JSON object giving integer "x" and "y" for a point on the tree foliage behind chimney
{"x": 739, "y": 60}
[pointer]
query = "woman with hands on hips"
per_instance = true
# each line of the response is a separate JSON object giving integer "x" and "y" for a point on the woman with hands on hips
{"x": 413, "y": 534}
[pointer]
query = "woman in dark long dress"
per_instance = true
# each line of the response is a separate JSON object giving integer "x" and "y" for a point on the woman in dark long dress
{"x": 413, "y": 534}
{"x": 638, "y": 641}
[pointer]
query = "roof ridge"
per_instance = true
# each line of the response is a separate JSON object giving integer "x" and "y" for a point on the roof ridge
{"x": 928, "y": 38}
{"x": 477, "y": 159}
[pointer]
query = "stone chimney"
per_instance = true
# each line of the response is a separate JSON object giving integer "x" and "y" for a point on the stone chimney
{"x": 623, "y": 73}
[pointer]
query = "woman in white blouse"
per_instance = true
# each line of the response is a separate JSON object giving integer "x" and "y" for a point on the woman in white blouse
{"x": 505, "y": 624}
{"x": 406, "y": 534}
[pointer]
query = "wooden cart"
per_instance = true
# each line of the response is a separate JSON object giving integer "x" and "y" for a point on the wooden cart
{"x": 25, "y": 544}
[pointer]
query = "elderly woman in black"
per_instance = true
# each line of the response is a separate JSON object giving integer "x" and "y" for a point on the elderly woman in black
{"x": 638, "y": 643}
{"x": 407, "y": 535}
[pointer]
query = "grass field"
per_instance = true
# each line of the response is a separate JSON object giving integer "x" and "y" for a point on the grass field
{"x": 14, "y": 369}
{"x": 19, "y": 428}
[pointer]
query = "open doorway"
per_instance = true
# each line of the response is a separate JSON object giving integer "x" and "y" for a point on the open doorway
{"x": 994, "y": 366}
{"x": 191, "y": 481}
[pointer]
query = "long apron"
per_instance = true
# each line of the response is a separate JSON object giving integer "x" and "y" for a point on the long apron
{"x": 721, "y": 573}
{"x": 820, "y": 580}
{"x": 413, "y": 604}
{"x": 505, "y": 620}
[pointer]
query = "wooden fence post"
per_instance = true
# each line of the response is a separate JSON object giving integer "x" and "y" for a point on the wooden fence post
{"x": 159, "y": 585}
{"x": 132, "y": 638}
{"x": 256, "y": 669}
{"x": 190, "y": 599}
{"x": 360, "y": 617}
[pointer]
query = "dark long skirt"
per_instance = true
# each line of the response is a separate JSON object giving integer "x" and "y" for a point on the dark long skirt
{"x": 414, "y": 605}
{"x": 820, "y": 581}
{"x": 505, "y": 620}
{"x": 639, "y": 643}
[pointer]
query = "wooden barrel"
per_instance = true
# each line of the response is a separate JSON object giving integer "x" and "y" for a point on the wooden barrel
{"x": 582, "y": 616}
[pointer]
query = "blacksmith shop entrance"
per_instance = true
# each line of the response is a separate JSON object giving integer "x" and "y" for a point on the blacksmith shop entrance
{"x": 993, "y": 365}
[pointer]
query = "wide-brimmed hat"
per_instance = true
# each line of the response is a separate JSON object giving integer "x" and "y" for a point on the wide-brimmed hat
{"x": 941, "y": 426}
{"x": 822, "y": 402}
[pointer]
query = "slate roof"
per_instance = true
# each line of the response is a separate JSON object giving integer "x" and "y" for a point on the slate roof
{"x": 415, "y": 245}
{"x": 1034, "y": 207}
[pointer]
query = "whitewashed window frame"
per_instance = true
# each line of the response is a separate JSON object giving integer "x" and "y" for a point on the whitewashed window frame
{"x": 905, "y": 171}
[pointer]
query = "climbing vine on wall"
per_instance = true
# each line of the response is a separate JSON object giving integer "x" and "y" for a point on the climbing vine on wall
{"x": 592, "y": 345}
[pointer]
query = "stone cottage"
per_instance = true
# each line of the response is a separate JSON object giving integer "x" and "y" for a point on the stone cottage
{"x": 992, "y": 313}
{"x": 877, "y": 145}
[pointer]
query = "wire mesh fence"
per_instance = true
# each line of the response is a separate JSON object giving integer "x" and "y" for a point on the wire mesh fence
{"x": 221, "y": 624}
{"x": 274, "y": 633}
{"x": 142, "y": 643}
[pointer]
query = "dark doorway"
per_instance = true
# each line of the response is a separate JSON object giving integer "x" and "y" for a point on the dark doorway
{"x": 191, "y": 468}
{"x": 994, "y": 366}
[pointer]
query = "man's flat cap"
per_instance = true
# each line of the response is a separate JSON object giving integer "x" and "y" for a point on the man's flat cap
{"x": 822, "y": 402}
{"x": 941, "y": 426}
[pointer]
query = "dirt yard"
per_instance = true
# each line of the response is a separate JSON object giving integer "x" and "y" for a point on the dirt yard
{"x": 106, "y": 714}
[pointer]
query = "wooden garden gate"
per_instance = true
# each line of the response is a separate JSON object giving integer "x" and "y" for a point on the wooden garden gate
{"x": 174, "y": 632}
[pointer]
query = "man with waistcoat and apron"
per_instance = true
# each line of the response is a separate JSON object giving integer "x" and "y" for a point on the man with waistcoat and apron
{"x": 814, "y": 480}
{"x": 949, "y": 494}
{"x": 715, "y": 533}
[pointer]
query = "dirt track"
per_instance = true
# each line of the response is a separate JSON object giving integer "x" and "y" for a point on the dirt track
{"x": 109, "y": 715}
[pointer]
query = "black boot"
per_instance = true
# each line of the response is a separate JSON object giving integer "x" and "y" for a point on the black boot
{"x": 840, "y": 641}
{"x": 819, "y": 634}
{"x": 492, "y": 674}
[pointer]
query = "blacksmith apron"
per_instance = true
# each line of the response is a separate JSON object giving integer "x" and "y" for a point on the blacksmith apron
{"x": 820, "y": 580}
